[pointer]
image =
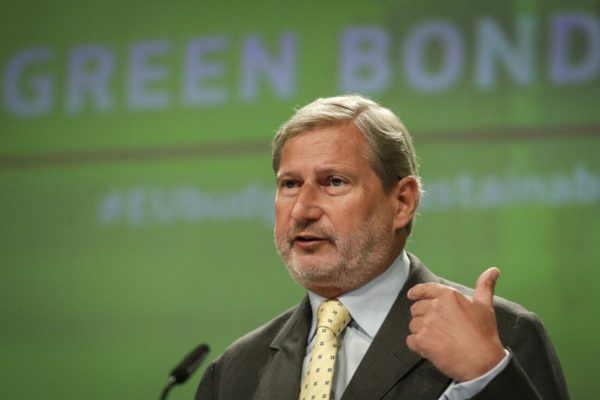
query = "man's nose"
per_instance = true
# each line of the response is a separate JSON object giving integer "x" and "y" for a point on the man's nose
{"x": 307, "y": 206}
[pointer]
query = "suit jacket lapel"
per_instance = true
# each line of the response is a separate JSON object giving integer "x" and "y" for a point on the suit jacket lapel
{"x": 280, "y": 378}
{"x": 388, "y": 359}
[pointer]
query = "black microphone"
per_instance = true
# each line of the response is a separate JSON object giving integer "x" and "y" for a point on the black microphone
{"x": 185, "y": 368}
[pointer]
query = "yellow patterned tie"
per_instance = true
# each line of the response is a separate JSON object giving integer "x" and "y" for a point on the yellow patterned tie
{"x": 332, "y": 318}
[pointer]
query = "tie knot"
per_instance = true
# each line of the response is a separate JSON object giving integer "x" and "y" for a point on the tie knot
{"x": 333, "y": 315}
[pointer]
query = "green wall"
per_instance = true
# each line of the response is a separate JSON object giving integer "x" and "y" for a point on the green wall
{"x": 136, "y": 189}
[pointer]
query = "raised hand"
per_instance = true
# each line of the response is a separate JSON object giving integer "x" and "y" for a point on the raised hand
{"x": 457, "y": 333}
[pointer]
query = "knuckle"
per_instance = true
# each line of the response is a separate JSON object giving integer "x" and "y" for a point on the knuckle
{"x": 410, "y": 342}
{"x": 417, "y": 291}
{"x": 413, "y": 309}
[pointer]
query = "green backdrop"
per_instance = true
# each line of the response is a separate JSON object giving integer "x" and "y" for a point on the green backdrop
{"x": 136, "y": 190}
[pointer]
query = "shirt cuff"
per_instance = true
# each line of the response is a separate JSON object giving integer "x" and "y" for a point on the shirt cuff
{"x": 467, "y": 389}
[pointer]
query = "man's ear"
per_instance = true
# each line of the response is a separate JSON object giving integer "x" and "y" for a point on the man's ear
{"x": 406, "y": 195}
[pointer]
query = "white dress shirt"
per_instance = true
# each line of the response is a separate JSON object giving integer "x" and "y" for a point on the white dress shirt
{"x": 369, "y": 305}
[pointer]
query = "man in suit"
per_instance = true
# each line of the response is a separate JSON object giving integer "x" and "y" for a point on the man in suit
{"x": 347, "y": 192}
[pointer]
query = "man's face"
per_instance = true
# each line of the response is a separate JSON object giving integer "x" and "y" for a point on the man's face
{"x": 334, "y": 224}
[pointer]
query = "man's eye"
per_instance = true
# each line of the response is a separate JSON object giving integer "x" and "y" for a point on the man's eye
{"x": 289, "y": 184}
{"x": 336, "y": 182}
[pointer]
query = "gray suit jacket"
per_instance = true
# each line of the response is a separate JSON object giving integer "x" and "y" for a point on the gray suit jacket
{"x": 266, "y": 363}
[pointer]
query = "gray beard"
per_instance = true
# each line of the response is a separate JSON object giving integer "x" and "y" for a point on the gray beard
{"x": 358, "y": 259}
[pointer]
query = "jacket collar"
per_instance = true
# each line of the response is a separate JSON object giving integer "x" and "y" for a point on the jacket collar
{"x": 388, "y": 358}
{"x": 280, "y": 378}
{"x": 386, "y": 362}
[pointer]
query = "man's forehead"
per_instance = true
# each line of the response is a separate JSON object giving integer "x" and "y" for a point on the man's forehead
{"x": 328, "y": 149}
{"x": 323, "y": 168}
{"x": 338, "y": 137}
{"x": 330, "y": 136}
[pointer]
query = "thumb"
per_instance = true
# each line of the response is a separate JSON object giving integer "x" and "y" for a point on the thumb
{"x": 484, "y": 288}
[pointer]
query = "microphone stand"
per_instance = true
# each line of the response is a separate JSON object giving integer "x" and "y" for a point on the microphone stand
{"x": 167, "y": 388}
{"x": 185, "y": 369}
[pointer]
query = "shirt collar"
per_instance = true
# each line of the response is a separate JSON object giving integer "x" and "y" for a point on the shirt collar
{"x": 369, "y": 304}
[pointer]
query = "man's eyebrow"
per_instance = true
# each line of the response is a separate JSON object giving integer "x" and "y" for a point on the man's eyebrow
{"x": 334, "y": 170}
{"x": 284, "y": 174}
{"x": 338, "y": 168}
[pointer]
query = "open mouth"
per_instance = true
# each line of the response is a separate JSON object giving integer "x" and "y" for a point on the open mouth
{"x": 308, "y": 240}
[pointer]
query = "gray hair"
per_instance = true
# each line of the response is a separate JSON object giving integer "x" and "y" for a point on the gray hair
{"x": 390, "y": 152}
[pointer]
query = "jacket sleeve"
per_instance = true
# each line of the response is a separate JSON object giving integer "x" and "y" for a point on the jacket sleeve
{"x": 534, "y": 371}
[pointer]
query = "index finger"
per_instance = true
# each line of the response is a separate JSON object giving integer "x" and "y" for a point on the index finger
{"x": 429, "y": 290}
